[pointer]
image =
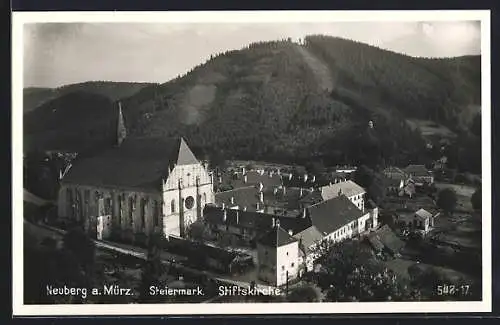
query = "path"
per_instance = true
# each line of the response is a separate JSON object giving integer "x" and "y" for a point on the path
{"x": 319, "y": 69}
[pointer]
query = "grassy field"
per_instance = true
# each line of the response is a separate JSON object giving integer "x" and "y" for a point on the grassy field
{"x": 429, "y": 128}
{"x": 464, "y": 194}
{"x": 461, "y": 190}
{"x": 460, "y": 230}
{"x": 400, "y": 267}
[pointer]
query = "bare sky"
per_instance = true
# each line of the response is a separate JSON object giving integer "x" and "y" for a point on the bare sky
{"x": 56, "y": 54}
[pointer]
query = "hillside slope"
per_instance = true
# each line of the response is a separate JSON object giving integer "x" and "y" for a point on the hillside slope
{"x": 288, "y": 101}
{"x": 76, "y": 121}
{"x": 35, "y": 97}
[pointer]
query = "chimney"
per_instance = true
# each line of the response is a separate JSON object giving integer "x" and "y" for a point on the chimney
{"x": 277, "y": 222}
{"x": 245, "y": 178}
{"x": 290, "y": 232}
{"x": 284, "y": 190}
{"x": 223, "y": 205}
{"x": 224, "y": 216}
{"x": 243, "y": 171}
{"x": 301, "y": 192}
{"x": 237, "y": 217}
{"x": 290, "y": 177}
{"x": 305, "y": 178}
{"x": 261, "y": 187}
{"x": 304, "y": 212}
{"x": 232, "y": 199}
{"x": 275, "y": 191}
{"x": 313, "y": 179}
{"x": 261, "y": 199}
{"x": 244, "y": 208}
{"x": 278, "y": 172}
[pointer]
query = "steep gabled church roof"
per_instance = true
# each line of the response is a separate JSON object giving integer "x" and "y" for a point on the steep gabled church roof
{"x": 136, "y": 163}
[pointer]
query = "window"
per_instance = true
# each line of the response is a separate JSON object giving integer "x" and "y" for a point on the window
{"x": 143, "y": 213}
{"x": 131, "y": 210}
{"x": 189, "y": 202}
{"x": 293, "y": 264}
{"x": 282, "y": 267}
{"x": 107, "y": 206}
{"x": 204, "y": 198}
{"x": 120, "y": 211}
{"x": 156, "y": 213}
{"x": 172, "y": 206}
{"x": 69, "y": 195}
{"x": 286, "y": 253}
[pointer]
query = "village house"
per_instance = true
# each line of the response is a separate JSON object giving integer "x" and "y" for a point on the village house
{"x": 139, "y": 186}
{"x": 206, "y": 256}
{"x": 420, "y": 221}
{"x": 395, "y": 173}
{"x": 350, "y": 189}
{"x": 242, "y": 178}
{"x": 419, "y": 174}
{"x": 398, "y": 187}
{"x": 278, "y": 256}
{"x": 385, "y": 241}
{"x": 333, "y": 221}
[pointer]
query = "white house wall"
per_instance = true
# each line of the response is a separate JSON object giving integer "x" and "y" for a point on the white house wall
{"x": 287, "y": 259}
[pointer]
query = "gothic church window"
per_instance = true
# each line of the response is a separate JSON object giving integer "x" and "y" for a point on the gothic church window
{"x": 120, "y": 212}
{"x": 131, "y": 210}
{"x": 143, "y": 213}
{"x": 156, "y": 213}
{"x": 172, "y": 206}
{"x": 107, "y": 206}
{"x": 69, "y": 195}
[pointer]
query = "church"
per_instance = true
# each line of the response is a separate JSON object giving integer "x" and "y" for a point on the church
{"x": 137, "y": 187}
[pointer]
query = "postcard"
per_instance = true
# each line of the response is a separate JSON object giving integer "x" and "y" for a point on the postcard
{"x": 265, "y": 162}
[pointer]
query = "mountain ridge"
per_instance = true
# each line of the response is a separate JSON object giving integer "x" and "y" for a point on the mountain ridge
{"x": 273, "y": 99}
{"x": 34, "y": 97}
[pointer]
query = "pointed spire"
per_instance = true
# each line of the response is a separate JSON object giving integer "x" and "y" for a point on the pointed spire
{"x": 121, "y": 130}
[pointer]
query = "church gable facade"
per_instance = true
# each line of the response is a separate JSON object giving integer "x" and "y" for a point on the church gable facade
{"x": 185, "y": 193}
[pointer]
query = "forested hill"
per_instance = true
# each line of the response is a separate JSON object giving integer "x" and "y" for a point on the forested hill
{"x": 34, "y": 97}
{"x": 77, "y": 121}
{"x": 289, "y": 101}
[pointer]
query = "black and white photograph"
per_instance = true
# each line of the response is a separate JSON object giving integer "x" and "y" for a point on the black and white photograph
{"x": 251, "y": 162}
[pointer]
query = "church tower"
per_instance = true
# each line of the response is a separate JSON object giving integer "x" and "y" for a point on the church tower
{"x": 121, "y": 131}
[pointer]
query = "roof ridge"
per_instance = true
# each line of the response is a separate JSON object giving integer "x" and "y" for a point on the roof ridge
{"x": 238, "y": 188}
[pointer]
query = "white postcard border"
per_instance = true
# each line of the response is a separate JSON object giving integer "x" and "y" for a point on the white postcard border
{"x": 21, "y": 18}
